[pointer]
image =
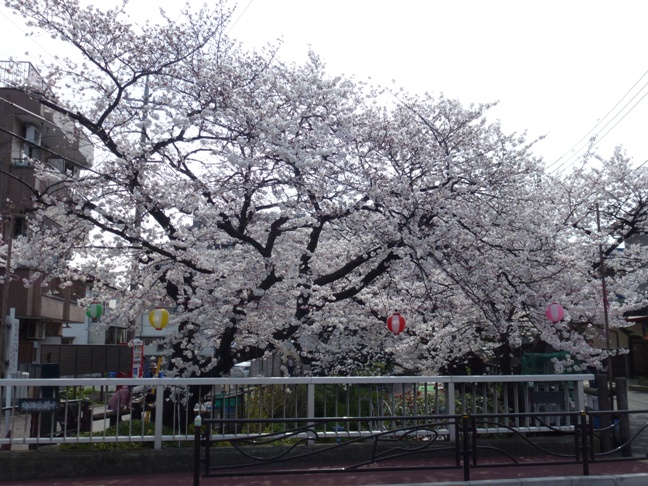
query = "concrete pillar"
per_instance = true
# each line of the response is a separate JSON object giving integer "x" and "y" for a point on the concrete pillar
{"x": 621, "y": 390}
{"x": 605, "y": 403}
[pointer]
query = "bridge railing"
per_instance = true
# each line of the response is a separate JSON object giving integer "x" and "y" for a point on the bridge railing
{"x": 416, "y": 443}
{"x": 74, "y": 412}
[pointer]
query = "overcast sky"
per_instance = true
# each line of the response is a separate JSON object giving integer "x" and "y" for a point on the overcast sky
{"x": 557, "y": 67}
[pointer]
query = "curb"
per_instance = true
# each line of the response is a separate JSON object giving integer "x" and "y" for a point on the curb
{"x": 616, "y": 480}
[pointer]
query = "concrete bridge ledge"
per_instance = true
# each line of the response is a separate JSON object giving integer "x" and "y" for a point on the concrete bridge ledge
{"x": 616, "y": 480}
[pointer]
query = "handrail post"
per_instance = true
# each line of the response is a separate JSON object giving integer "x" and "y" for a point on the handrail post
{"x": 579, "y": 395}
{"x": 473, "y": 449}
{"x": 457, "y": 439}
{"x": 197, "y": 430}
{"x": 584, "y": 440}
{"x": 465, "y": 420}
{"x": 450, "y": 406}
{"x": 159, "y": 415}
{"x": 310, "y": 407}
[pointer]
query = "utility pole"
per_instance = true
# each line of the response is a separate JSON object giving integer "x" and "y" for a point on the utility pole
{"x": 5, "y": 292}
{"x": 137, "y": 224}
{"x": 606, "y": 321}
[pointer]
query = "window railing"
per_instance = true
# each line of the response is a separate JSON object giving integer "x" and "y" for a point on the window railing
{"x": 14, "y": 73}
{"x": 21, "y": 162}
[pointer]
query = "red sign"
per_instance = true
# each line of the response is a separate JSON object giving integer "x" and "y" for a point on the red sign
{"x": 137, "y": 365}
{"x": 396, "y": 323}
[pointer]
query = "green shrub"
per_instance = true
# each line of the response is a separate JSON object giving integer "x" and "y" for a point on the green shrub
{"x": 275, "y": 401}
{"x": 80, "y": 393}
{"x": 123, "y": 428}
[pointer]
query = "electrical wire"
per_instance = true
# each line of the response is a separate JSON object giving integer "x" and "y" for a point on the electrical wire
{"x": 601, "y": 137}
{"x": 601, "y": 121}
{"x": 625, "y": 114}
{"x": 231, "y": 26}
{"x": 32, "y": 39}
{"x": 594, "y": 129}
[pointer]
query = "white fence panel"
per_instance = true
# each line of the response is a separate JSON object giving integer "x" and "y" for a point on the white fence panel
{"x": 38, "y": 412}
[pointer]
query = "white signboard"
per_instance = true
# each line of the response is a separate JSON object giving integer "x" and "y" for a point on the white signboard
{"x": 13, "y": 326}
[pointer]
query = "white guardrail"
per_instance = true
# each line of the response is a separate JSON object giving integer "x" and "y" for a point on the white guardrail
{"x": 73, "y": 411}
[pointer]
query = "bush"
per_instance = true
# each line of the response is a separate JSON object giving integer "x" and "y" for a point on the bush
{"x": 123, "y": 428}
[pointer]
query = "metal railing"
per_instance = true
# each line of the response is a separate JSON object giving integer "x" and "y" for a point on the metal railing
{"x": 74, "y": 413}
{"x": 415, "y": 445}
{"x": 13, "y": 73}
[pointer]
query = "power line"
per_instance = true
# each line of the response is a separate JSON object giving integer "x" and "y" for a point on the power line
{"x": 32, "y": 39}
{"x": 640, "y": 166}
{"x": 601, "y": 137}
{"x": 239, "y": 17}
{"x": 602, "y": 120}
{"x": 626, "y": 114}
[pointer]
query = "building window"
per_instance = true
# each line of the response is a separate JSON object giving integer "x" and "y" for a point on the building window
{"x": 63, "y": 166}
{"x": 79, "y": 291}
{"x": 58, "y": 164}
{"x": 31, "y": 145}
{"x": 20, "y": 226}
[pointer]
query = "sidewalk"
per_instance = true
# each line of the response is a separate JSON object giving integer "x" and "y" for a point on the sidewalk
{"x": 633, "y": 474}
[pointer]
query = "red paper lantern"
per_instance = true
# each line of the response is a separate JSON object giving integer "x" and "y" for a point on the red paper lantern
{"x": 396, "y": 323}
{"x": 555, "y": 312}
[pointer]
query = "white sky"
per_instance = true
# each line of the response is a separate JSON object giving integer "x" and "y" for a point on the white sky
{"x": 557, "y": 67}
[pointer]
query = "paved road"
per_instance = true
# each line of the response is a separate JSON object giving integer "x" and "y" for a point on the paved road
{"x": 350, "y": 479}
{"x": 418, "y": 478}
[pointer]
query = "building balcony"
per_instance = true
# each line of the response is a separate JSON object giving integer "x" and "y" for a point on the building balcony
{"x": 21, "y": 162}
{"x": 15, "y": 73}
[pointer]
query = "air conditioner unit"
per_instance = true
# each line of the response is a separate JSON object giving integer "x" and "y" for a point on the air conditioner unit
{"x": 36, "y": 330}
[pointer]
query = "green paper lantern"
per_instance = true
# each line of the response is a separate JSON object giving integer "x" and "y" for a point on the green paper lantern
{"x": 95, "y": 311}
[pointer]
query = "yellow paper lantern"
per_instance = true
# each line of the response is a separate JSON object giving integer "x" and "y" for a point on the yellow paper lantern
{"x": 159, "y": 318}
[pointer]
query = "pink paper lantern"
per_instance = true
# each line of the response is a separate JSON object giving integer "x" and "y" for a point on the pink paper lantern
{"x": 396, "y": 323}
{"x": 555, "y": 312}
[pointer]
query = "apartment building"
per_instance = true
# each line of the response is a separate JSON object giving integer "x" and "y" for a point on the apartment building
{"x": 30, "y": 131}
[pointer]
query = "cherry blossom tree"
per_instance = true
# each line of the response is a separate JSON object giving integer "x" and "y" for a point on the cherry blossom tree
{"x": 603, "y": 217}
{"x": 279, "y": 208}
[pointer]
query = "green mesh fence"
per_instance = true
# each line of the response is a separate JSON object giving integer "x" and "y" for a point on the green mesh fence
{"x": 540, "y": 363}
